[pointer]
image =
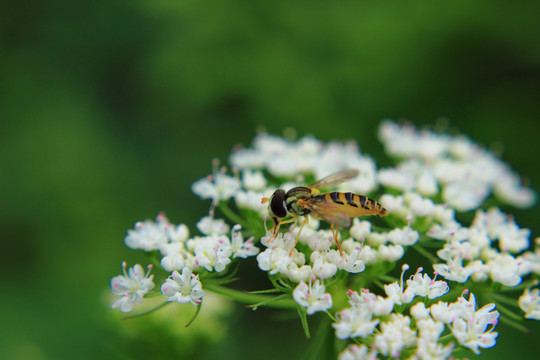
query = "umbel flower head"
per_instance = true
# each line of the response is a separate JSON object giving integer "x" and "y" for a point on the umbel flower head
{"x": 319, "y": 252}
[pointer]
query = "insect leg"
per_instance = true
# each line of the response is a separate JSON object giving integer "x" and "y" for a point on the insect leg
{"x": 306, "y": 218}
{"x": 277, "y": 224}
{"x": 335, "y": 233}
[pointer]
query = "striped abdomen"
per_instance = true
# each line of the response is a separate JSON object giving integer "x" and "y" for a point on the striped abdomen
{"x": 354, "y": 205}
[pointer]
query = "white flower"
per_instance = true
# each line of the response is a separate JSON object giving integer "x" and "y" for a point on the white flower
{"x": 251, "y": 200}
{"x": 253, "y": 180}
{"x": 354, "y": 322}
{"x": 395, "y": 205}
{"x": 405, "y": 236}
{"x": 360, "y": 229}
{"x": 454, "y": 270}
{"x": 509, "y": 190}
{"x": 397, "y": 178}
{"x": 443, "y": 312}
{"x": 350, "y": 261}
{"x": 131, "y": 287}
{"x": 217, "y": 187}
{"x": 529, "y": 302}
{"x": 396, "y": 334}
{"x": 429, "y": 329}
{"x": 432, "y": 350}
{"x": 210, "y": 226}
{"x": 275, "y": 259}
{"x": 211, "y": 252}
{"x": 504, "y": 268}
{"x": 147, "y": 235}
{"x": 466, "y": 173}
{"x": 395, "y": 291}
{"x": 376, "y": 304}
{"x": 420, "y": 206}
{"x": 357, "y": 352}
{"x": 471, "y": 330}
{"x": 183, "y": 288}
{"x": 175, "y": 257}
{"x": 323, "y": 268}
{"x": 419, "y": 311}
{"x": 239, "y": 247}
{"x": 298, "y": 273}
{"x": 422, "y": 285}
{"x": 312, "y": 296}
{"x": 391, "y": 253}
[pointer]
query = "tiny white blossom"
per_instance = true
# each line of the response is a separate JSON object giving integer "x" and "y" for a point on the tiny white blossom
{"x": 354, "y": 322}
{"x": 504, "y": 268}
{"x": 376, "y": 304}
{"x": 471, "y": 328}
{"x": 312, "y": 296}
{"x": 391, "y": 253}
{"x": 253, "y": 180}
{"x": 183, "y": 288}
{"x": 529, "y": 302}
{"x": 275, "y": 259}
{"x": 395, "y": 290}
{"x": 150, "y": 235}
{"x": 454, "y": 270}
{"x": 357, "y": 352}
{"x": 405, "y": 236}
{"x": 350, "y": 261}
{"x": 210, "y": 226}
{"x": 360, "y": 229}
{"x": 175, "y": 257}
{"x": 509, "y": 190}
{"x": 131, "y": 287}
{"x": 217, "y": 187}
{"x": 422, "y": 285}
{"x": 251, "y": 200}
{"x": 211, "y": 252}
{"x": 368, "y": 255}
{"x": 432, "y": 350}
{"x": 147, "y": 235}
{"x": 323, "y": 267}
{"x": 239, "y": 247}
{"x": 419, "y": 311}
{"x": 396, "y": 334}
{"x": 420, "y": 206}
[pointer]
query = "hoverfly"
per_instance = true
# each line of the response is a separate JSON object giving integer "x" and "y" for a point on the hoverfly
{"x": 337, "y": 208}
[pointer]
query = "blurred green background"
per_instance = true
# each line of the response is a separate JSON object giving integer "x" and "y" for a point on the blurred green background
{"x": 110, "y": 110}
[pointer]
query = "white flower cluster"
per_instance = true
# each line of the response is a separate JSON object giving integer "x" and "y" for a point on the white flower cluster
{"x": 484, "y": 250}
{"x": 364, "y": 247}
{"x": 430, "y": 167}
{"x": 465, "y": 172}
{"x": 390, "y": 334}
{"x": 131, "y": 287}
{"x": 286, "y": 158}
{"x": 181, "y": 255}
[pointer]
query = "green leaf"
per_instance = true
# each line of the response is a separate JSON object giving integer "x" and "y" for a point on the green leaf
{"x": 303, "y": 319}
{"x": 147, "y": 312}
{"x": 196, "y": 314}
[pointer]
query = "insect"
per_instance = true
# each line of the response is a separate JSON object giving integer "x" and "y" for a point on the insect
{"x": 337, "y": 208}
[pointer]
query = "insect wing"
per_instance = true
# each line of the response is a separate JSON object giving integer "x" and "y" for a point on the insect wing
{"x": 335, "y": 179}
{"x": 333, "y": 213}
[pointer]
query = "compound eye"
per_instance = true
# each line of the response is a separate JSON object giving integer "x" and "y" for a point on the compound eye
{"x": 277, "y": 204}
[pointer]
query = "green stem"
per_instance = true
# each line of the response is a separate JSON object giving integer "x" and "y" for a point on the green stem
{"x": 147, "y": 312}
{"x": 226, "y": 210}
{"x": 503, "y": 299}
{"x": 246, "y": 298}
{"x": 432, "y": 258}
